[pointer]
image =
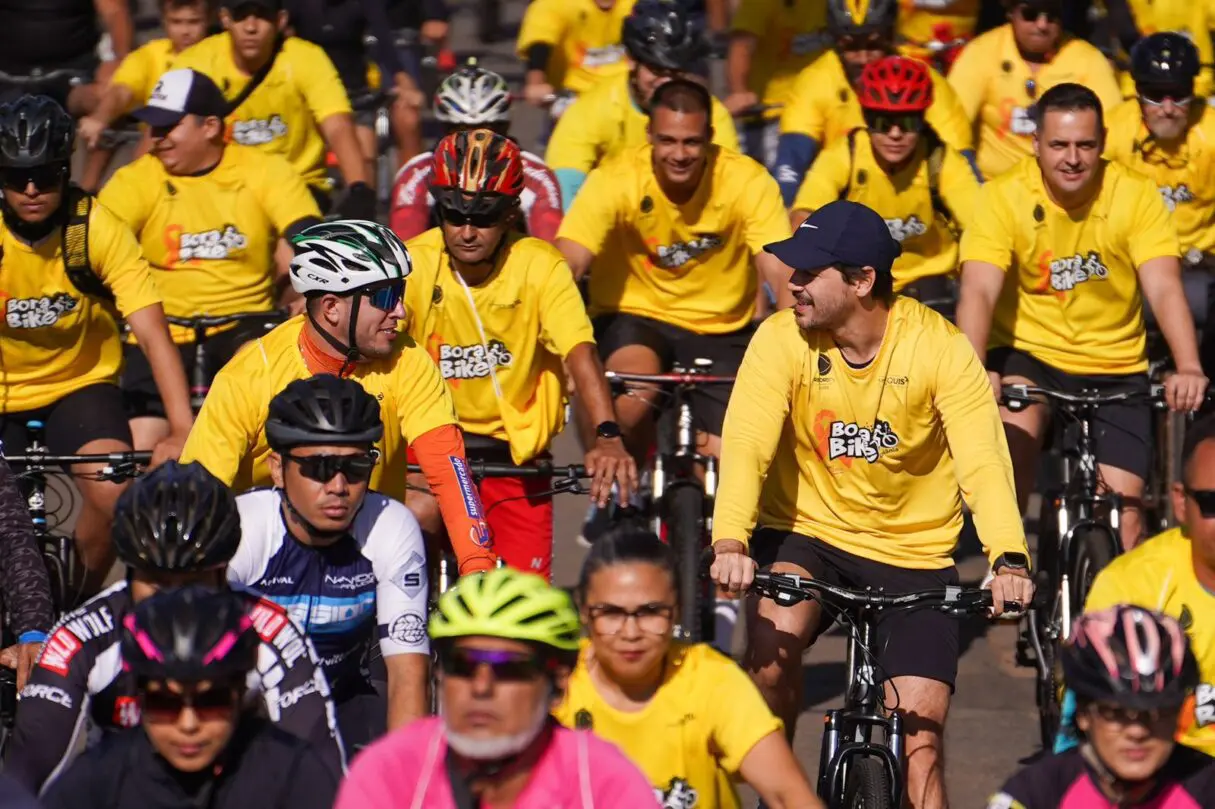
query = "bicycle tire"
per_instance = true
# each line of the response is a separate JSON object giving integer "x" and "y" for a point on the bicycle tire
{"x": 56, "y": 574}
{"x": 1049, "y": 690}
{"x": 866, "y": 785}
{"x": 1091, "y": 552}
{"x": 684, "y": 505}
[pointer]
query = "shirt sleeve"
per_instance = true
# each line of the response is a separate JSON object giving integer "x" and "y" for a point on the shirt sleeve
{"x": 320, "y": 85}
{"x": 227, "y": 425}
{"x": 752, "y": 17}
{"x": 968, "y": 78}
{"x": 592, "y": 216}
{"x": 725, "y": 134}
{"x": 803, "y": 115}
{"x": 959, "y": 187}
{"x": 1151, "y": 231}
{"x": 118, "y": 260}
{"x": 398, "y": 559}
{"x": 767, "y": 220}
{"x": 564, "y": 323}
{"x": 948, "y": 116}
{"x": 542, "y": 25}
{"x": 971, "y": 419}
{"x": 989, "y": 237}
{"x": 23, "y": 576}
{"x": 285, "y": 197}
{"x": 827, "y": 178}
{"x": 577, "y": 140}
{"x": 134, "y": 73}
{"x": 741, "y": 721}
{"x": 123, "y": 197}
{"x": 422, "y": 398}
{"x": 440, "y": 453}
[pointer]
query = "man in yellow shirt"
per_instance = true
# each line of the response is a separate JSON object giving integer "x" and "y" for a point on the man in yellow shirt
{"x": 287, "y": 99}
{"x": 207, "y": 216}
{"x": 935, "y": 31}
{"x": 671, "y": 230}
{"x": 663, "y": 42}
{"x": 67, "y": 264}
{"x": 822, "y": 107}
{"x": 1136, "y": 19}
{"x": 858, "y": 421}
{"x": 898, "y": 167}
{"x": 1001, "y": 74}
{"x": 500, "y": 314}
{"x": 570, "y": 45}
{"x": 1061, "y": 254}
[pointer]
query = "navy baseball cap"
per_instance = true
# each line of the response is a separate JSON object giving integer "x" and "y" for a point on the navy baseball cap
{"x": 180, "y": 93}
{"x": 841, "y": 232}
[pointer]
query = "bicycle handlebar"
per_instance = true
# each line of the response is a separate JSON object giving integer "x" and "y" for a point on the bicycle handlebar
{"x": 1018, "y": 397}
{"x": 680, "y": 378}
{"x": 485, "y": 469}
{"x": 41, "y": 78}
{"x": 756, "y": 110}
{"x": 213, "y": 321}
{"x": 62, "y": 460}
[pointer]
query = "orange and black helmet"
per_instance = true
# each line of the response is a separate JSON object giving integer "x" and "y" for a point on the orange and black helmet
{"x": 895, "y": 84}
{"x": 477, "y": 171}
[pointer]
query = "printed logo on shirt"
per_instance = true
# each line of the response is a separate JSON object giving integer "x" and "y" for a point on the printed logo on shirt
{"x": 37, "y": 313}
{"x": 902, "y": 229}
{"x": 600, "y": 57}
{"x": 410, "y": 581}
{"x": 50, "y": 693}
{"x": 674, "y": 256}
{"x": 59, "y": 650}
{"x": 1174, "y": 196}
{"x": 408, "y": 628}
{"x": 472, "y": 503}
{"x": 274, "y": 627}
{"x": 678, "y": 794}
{"x": 126, "y": 712}
{"x": 356, "y": 582}
{"x": 1204, "y": 705}
{"x": 1068, "y": 273}
{"x": 1021, "y": 121}
{"x": 207, "y": 245}
{"x": 473, "y": 361}
{"x": 258, "y": 131}
{"x": 91, "y": 624}
{"x": 850, "y": 440}
{"x": 292, "y": 697}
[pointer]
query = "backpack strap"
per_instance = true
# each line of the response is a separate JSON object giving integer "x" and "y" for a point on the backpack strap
{"x": 851, "y": 160}
{"x": 76, "y": 247}
{"x": 936, "y": 159}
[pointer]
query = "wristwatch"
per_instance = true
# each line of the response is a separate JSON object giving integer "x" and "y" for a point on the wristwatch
{"x": 608, "y": 429}
{"x": 1011, "y": 561}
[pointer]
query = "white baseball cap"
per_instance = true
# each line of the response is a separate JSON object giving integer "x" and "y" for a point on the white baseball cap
{"x": 180, "y": 93}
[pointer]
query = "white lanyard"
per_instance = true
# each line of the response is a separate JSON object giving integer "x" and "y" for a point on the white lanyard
{"x": 493, "y": 375}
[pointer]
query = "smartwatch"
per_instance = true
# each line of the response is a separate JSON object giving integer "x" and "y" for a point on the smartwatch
{"x": 608, "y": 429}
{"x": 1011, "y": 561}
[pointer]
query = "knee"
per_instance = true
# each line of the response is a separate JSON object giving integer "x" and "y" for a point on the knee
{"x": 774, "y": 650}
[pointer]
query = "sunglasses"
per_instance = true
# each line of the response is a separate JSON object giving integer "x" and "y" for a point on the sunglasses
{"x": 1155, "y": 97}
{"x": 45, "y": 178}
{"x": 386, "y": 298}
{"x": 507, "y": 667}
{"x": 1123, "y": 716}
{"x": 884, "y": 122}
{"x": 166, "y": 706}
{"x": 244, "y": 11}
{"x": 1031, "y": 13}
{"x": 324, "y": 468}
{"x": 481, "y": 219}
{"x": 1205, "y": 498}
{"x": 871, "y": 42}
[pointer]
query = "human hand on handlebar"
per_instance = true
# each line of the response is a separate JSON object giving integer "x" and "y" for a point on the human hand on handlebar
{"x": 21, "y": 657}
{"x": 733, "y": 569}
{"x": 408, "y": 92}
{"x": 1010, "y": 585}
{"x": 538, "y": 94}
{"x": 90, "y": 130}
{"x": 1185, "y": 389}
{"x": 607, "y": 462}
{"x": 737, "y": 102}
{"x": 168, "y": 449}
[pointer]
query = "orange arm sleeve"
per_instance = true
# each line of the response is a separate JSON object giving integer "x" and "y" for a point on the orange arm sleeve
{"x": 440, "y": 453}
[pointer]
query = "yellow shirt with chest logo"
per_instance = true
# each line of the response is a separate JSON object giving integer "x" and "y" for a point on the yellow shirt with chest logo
{"x": 1071, "y": 298}
{"x": 55, "y": 339}
{"x": 143, "y": 67}
{"x": 688, "y": 265}
{"x": 693, "y": 734}
{"x": 283, "y": 114}
{"x": 994, "y": 85}
{"x": 791, "y": 34}
{"x": 847, "y": 169}
{"x": 528, "y": 317}
{"x": 823, "y": 106}
{"x": 1182, "y": 174}
{"x": 1159, "y": 575}
{"x": 210, "y": 238}
{"x": 585, "y": 40}
{"x": 876, "y": 460}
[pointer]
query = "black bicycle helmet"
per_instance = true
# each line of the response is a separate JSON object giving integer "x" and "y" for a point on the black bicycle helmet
{"x": 1129, "y": 656}
{"x": 1165, "y": 59}
{"x": 323, "y": 409}
{"x": 176, "y": 518}
{"x": 664, "y": 34}
{"x": 35, "y": 131}
{"x": 190, "y": 634}
{"x": 852, "y": 17}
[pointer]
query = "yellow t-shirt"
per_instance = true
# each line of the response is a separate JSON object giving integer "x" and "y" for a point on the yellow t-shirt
{"x": 229, "y": 435}
{"x": 994, "y": 85}
{"x": 585, "y": 40}
{"x": 283, "y": 114}
{"x": 688, "y": 265}
{"x": 1072, "y": 297}
{"x": 694, "y": 733}
{"x": 55, "y": 339}
{"x": 791, "y": 34}
{"x": 1187, "y": 17}
{"x": 604, "y": 121}
{"x": 528, "y": 317}
{"x": 903, "y": 199}
{"x": 143, "y": 67}
{"x": 824, "y": 106}
{"x": 1159, "y": 575}
{"x": 924, "y": 21}
{"x": 874, "y": 461}
{"x": 1181, "y": 174}
{"x": 210, "y": 238}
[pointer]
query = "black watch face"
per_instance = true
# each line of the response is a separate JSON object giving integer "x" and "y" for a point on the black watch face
{"x": 608, "y": 429}
{"x": 1014, "y": 560}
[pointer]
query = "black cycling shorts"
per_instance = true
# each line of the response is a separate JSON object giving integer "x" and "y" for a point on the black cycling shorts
{"x": 906, "y": 643}
{"x": 89, "y": 414}
{"x": 362, "y": 718}
{"x": 1123, "y": 430}
{"x": 674, "y": 345}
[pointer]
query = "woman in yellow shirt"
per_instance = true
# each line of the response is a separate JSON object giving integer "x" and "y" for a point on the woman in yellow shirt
{"x": 688, "y": 716}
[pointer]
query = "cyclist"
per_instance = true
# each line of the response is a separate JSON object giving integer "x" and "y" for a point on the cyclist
{"x": 1060, "y": 255}
{"x": 823, "y": 107}
{"x": 1002, "y": 74}
{"x": 501, "y": 316}
{"x": 1133, "y": 20}
{"x": 346, "y": 564}
{"x": 881, "y": 166}
{"x": 474, "y": 98}
{"x": 1133, "y": 670}
{"x": 289, "y": 99}
{"x": 25, "y": 587}
{"x": 633, "y": 682}
{"x": 934, "y": 31}
{"x": 771, "y": 42}
{"x": 570, "y": 47}
{"x": 891, "y": 421}
{"x": 177, "y": 525}
{"x": 191, "y": 651}
{"x": 67, "y": 264}
{"x": 353, "y": 277}
{"x": 207, "y": 215}
{"x": 506, "y": 642}
{"x": 185, "y": 23}
{"x": 663, "y": 41}
{"x": 417, "y": 26}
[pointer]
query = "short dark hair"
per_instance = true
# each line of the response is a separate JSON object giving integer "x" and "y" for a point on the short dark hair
{"x": 683, "y": 95}
{"x": 883, "y": 281}
{"x": 630, "y": 541}
{"x": 1196, "y": 435}
{"x": 1068, "y": 97}
{"x": 173, "y": 5}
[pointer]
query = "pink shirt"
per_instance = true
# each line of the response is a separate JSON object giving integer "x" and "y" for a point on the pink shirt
{"x": 407, "y": 769}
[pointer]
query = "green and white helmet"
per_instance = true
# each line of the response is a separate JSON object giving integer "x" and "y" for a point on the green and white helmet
{"x": 343, "y": 256}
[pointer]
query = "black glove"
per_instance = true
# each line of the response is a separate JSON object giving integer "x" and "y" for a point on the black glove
{"x": 359, "y": 203}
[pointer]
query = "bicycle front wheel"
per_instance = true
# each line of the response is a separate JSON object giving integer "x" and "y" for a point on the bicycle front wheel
{"x": 1092, "y": 552}
{"x": 866, "y": 785}
{"x": 684, "y": 516}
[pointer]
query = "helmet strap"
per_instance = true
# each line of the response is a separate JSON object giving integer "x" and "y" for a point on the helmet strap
{"x": 1125, "y": 793}
{"x": 349, "y": 350}
{"x": 313, "y": 531}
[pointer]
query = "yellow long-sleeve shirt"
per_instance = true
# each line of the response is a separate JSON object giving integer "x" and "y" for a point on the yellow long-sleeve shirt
{"x": 877, "y": 460}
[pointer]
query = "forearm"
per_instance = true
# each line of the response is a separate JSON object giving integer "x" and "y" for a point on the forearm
{"x": 407, "y": 690}
{"x": 587, "y": 372}
{"x": 440, "y": 453}
{"x": 738, "y": 60}
{"x": 339, "y": 134}
{"x": 116, "y": 19}
{"x": 774, "y": 273}
{"x": 115, "y": 101}
{"x": 976, "y": 303}
{"x": 152, "y": 333}
{"x": 26, "y": 585}
{"x": 1166, "y": 295}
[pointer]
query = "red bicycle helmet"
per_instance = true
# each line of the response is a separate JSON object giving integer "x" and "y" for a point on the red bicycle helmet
{"x": 895, "y": 84}
{"x": 477, "y": 171}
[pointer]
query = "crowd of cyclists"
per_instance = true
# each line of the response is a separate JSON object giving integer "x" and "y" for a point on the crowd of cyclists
{"x": 895, "y": 210}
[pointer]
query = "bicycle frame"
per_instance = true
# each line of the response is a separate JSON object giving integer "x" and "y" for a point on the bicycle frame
{"x": 200, "y": 382}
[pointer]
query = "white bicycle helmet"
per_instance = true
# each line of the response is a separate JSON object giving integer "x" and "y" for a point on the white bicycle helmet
{"x": 473, "y": 96}
{"x": 343, "y": 256}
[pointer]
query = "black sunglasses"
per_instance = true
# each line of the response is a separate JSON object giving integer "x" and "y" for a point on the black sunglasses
{"x": 1030, "y": 12}
{"x": 48, "y": 177}
{"x": 883, "y": 122}
{"x": 507, "y": 667}
{"x": 1205, "y": 498}
{"x": 244, "y": 11}
{"x": 324, "y": 468}
{"x": 167, "y": 706}
{"x": 481, "y": 219}
{"x": 868, "y": 42}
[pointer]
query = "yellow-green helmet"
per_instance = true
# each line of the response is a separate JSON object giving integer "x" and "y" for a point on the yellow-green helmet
{"x": 507, "y": 603}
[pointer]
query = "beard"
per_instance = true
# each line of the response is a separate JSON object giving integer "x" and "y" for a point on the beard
{"x": 501, "y": 747}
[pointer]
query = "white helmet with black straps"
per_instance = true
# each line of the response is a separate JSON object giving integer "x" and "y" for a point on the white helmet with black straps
{"x": 473, "y": 96}
{"x": 346, "y": 255}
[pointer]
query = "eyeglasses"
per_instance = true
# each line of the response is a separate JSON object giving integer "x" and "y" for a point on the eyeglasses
{"x": 165, "y": 706}
{"x": 48, "y": 177}
{"x": 386, "y": 298}
{"x": 1205, "y": 499}
{"x": 506, "y": 666}
{"x": 324, "y": 468}
{"x": 1155, "y": 97}
{"x": 480, "y": 219}
{"x": 883, "y": 122}
{"x": 870, "y": 42}
{"x": 1030, "y": 12}
{"x": 1124, "y": 716}
{"x": 609, "y": 619}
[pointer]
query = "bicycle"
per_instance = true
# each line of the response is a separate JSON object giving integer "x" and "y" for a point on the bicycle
{"x": 861, "y": 759}
{"x": 201, "y": 376}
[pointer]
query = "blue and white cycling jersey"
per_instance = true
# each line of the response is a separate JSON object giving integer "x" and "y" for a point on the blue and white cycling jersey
{"x": 372, "y": 582}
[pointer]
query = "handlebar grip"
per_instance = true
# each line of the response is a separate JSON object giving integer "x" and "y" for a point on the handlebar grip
{"x": 707, "y": 557}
